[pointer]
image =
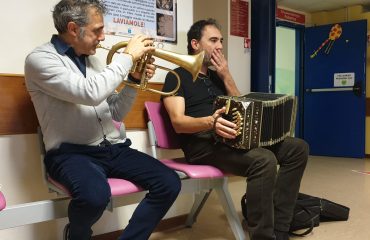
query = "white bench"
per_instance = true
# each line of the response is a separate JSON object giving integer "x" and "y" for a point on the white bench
{"x": 200, "y": 180}
{"x": 197, "y": 179}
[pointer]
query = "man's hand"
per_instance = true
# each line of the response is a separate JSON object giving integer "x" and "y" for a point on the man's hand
{"x": 149, "y": 71}
{"x": 138, "y": 45}
{"x": 222, "y": 69}
{"x": 223, "y": 127}
{"x": 219, "y": 61}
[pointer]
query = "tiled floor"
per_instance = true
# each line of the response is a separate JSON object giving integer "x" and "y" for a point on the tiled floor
{"x": 326, "y": 177}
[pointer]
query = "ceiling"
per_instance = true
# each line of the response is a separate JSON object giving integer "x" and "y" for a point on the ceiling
{"x": 319, "y": 5}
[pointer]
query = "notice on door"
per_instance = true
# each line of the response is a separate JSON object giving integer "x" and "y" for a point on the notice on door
{"x": 344, "y": 79}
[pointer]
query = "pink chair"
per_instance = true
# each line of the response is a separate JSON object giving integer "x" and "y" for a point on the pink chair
{"x": 200, "y": 179}
{"x": 118, "y": 187}
{"x": 2, "y": 201}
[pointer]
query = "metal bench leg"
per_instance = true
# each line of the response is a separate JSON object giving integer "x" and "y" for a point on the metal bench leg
{"x": 200, "y": 199}
{"x": 228, "y": 205}
{"x": 66, "y": 232}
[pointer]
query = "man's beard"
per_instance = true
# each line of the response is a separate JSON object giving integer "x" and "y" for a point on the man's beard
{"x": 207, "y": 60}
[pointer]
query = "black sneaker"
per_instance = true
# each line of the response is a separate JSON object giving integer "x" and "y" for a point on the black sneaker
{"x": 281, "y": 235}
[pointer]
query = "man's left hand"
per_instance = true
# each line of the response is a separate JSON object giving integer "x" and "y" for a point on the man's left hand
{"x": 219, "y": 61}
{"x": 149, "y": 71}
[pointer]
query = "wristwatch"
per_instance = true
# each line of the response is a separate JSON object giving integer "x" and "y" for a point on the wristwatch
{"x": 132, "y": 79}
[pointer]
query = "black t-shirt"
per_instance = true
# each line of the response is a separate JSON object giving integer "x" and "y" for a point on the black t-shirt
{"x": 199, "y": 96}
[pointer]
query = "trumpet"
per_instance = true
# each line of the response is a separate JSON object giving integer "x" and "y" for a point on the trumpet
{"x": 192, "y": 63}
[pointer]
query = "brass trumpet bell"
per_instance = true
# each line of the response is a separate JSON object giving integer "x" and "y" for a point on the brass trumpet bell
{"x": 191, "y": 63}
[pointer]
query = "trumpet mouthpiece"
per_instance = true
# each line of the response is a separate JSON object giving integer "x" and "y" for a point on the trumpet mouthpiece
{"x": 102, "y": 47}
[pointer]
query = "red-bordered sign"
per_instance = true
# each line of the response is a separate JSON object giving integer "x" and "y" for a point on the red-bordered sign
{"x": 290, "y": 16}
{"x": 239, "y": 18}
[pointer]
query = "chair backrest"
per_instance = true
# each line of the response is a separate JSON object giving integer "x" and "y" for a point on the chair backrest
{"x": 166, "y": 137}
{"x": 42, "y": 155}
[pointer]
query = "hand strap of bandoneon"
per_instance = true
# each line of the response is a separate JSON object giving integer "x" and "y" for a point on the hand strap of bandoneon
{"x": 215, "y": 121}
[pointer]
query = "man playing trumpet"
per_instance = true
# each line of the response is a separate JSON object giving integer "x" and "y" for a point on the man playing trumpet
{"x": 75, "y": 101}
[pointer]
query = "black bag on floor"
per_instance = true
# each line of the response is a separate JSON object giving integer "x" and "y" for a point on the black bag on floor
{"x": 331, "y": 211}
{"x": 308, "y": 212}
{"x": 306, "y": 215}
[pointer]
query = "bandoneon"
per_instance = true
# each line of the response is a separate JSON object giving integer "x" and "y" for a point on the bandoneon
{"x": 262, "y": 119}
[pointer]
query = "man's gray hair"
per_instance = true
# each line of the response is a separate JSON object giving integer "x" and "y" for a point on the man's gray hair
{"x": 75, "y": 11}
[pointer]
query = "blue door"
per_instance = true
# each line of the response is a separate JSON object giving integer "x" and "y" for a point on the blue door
{"x": 334, "y": 89}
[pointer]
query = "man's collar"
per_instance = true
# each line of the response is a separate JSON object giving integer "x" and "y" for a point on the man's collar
{"x": 64, "y": 49}
{"x": 59, "y": 45}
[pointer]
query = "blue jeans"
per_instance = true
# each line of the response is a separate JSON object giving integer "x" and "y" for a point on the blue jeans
{"x": 84, "y": 170}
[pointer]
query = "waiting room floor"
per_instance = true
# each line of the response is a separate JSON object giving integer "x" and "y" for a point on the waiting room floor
{"x": 342, "y": 180}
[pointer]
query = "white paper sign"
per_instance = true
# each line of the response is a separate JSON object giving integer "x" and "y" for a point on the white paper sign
{"x": 156, "y": 18}
{"x": 344, "y": 79}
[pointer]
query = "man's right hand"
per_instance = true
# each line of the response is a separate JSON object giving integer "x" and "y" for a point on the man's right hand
{"x": 223, "y": 127}
{"x": 138, "y": 45}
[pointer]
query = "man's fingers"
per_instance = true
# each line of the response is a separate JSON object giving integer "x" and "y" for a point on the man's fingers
{"x": 226, "y": 123}
{"x": 220, "y": 110}
{"x": 225, "y": 134}
{"x": 225, "y": 128}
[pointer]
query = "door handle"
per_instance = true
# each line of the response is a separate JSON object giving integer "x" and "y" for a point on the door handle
{"x": 356, "y": 89}
{"x": 343, "y": 89}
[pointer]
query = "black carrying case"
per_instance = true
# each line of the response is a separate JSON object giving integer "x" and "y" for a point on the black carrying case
{"x": 309, "y": 211}
{"x": 331, "y": 211}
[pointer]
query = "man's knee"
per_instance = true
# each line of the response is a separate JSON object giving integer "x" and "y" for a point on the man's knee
{"x": 301, "y": 146}
{"x": 174, "y": 183}
{"x": 96, "y": 197}
{"x": 298, "y": 151}
{"x": 169, "y": 184}
{"x": 264, "y": 161}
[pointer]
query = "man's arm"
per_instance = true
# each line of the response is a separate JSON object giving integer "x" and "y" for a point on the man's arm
{"x": 231, "y": 88}
{"x": 175, "y": 107}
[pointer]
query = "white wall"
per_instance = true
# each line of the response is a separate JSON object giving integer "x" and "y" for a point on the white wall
{"x": 238, "y": 57}
{"x": 26, "y": 24}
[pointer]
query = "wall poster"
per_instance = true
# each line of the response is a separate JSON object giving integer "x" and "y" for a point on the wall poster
{"x": 239, "y": 18}
{"x": 156, "y": 18}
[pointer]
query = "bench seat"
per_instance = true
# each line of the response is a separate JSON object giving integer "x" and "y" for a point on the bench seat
{"x": 121, "y": 187}
{"x": 193, "y": 171}
{"x": 118, "y": 187}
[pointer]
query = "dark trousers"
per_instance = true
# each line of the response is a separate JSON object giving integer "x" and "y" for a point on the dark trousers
{"x": 271, "y": 193}
{"x": 84, "y": 170}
